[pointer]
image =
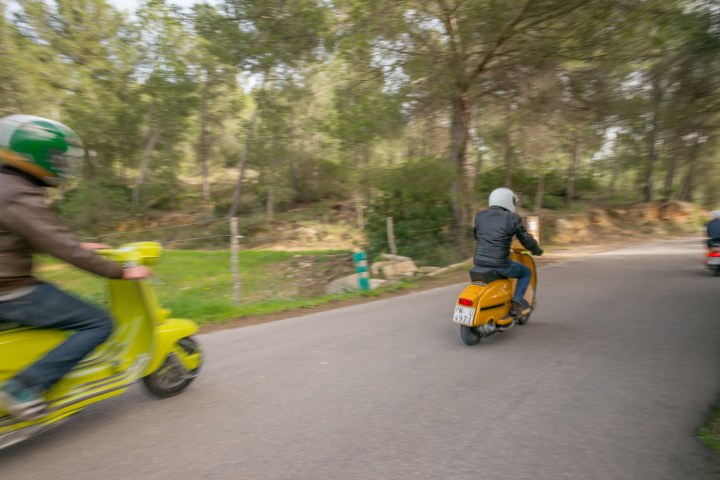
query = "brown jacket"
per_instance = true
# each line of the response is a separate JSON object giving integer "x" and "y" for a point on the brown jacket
{"x": 28, "y": 226}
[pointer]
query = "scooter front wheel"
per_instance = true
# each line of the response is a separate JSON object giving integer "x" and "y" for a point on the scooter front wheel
{"x": 469, "y": 335}
{"x": 172, "y": 377}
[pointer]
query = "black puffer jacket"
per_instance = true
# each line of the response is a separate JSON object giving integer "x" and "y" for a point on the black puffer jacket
{"x": 713, "y": 228}
{"x": 493, "y": 231}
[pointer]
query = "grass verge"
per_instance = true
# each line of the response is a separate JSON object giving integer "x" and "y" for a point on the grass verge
{"x": 710, "y": 433}
{"x": 198, "y": 284}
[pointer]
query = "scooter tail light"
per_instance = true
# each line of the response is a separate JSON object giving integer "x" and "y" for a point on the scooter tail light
{"x": 715, "y": 253}
{"x": 465, "y": 301}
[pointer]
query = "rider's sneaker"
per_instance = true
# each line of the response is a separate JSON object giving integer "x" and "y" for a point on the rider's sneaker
{"x": 519, "y": 308}
{"x": 21, "y": 402}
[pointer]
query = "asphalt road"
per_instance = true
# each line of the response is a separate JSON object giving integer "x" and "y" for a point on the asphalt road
{"x": 610, "y": 380}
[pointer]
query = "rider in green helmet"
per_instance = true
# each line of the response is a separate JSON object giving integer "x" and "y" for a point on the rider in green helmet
{"x": 35, "y": 153}
{"x": 43, "y": 148}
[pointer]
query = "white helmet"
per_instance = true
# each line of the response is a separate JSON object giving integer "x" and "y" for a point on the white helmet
{"x": 715, "y": 214}
{"x": 503, "y": 197}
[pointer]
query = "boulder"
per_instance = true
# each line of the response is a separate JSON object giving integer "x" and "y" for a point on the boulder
{"x": 394, "y": 269}
{"x": 351, "y": 283}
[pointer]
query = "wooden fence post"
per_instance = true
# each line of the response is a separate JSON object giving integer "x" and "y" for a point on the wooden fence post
{"x": 234, "y": 247}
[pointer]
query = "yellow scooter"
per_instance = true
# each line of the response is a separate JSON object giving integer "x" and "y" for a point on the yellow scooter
{"x": 483, "y": 307}
{"x": 146, "y": 344}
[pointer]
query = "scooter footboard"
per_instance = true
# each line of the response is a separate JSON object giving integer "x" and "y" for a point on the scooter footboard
{"x": 167, "y": 334}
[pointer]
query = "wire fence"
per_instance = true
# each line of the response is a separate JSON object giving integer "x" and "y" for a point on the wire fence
{"x": 199, "y": 280}
{"x": 201, "y": 270}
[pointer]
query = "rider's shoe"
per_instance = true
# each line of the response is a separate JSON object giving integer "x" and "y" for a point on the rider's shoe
{"x": 21, "y": 402}
{"x": 519, "y": 308}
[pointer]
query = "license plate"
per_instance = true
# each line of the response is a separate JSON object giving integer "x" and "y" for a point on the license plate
{"x": 713, "y": 261}
{"x": 464, "y": 315}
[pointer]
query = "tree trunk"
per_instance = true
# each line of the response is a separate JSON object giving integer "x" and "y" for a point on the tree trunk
{"x": 145, "y": 166}
{"x": 647, "y": 188}
{"x": 614, "y": 174}
{"x": 688, "y": 184}
{"x": 572, "y": 167}
{"x": 477, "y": 148}
{"x": 242, "y": 166}
{"x": 204, "y": 144}
{"x": 539, "y": 194}
{"x": 465, "y": 173}
{"x": 508, "y": 160}
{"x": 670, "y": 174}
{"x": 270, "y": 204}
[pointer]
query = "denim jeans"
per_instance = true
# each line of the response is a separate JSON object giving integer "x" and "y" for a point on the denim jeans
{"x": 522, "y": 273}
{"x": 48, "y": 307}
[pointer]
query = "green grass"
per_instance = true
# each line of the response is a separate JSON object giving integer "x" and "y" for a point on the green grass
{"x": 710, "y": 434}
{"x": 198, "y": 284}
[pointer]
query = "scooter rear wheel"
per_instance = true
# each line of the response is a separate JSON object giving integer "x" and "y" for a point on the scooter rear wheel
{"x": 469, "y": 335}
{"x": 172, "y": 378}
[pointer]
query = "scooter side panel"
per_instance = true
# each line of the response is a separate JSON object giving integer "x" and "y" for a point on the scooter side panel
{"x": 491, "y": 301}
{"x": 22, "y": 347}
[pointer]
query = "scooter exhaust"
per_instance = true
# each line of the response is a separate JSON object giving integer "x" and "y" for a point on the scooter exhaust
{"x": 486, "y": 329}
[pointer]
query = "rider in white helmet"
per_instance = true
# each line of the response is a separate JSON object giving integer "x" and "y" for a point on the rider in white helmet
{"x": 713, "y": 229}
{"x": 494, "y": 230}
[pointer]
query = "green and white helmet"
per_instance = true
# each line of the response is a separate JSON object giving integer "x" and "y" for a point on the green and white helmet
{"x": 45, "y": 149}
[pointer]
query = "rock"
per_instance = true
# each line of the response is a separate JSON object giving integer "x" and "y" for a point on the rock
{"x": 351, "y": 283}
{"x": 395, "y": 258}
{"x": 598, "y": 216}
{"x": 396, "y": 269}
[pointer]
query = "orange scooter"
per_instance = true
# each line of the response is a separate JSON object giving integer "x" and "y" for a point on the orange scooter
{"x": 484, "y": 306}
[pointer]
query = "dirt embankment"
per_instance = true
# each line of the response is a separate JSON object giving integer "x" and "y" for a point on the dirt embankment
{"x": 596, "y": 230}
{"x": 619, "y": 223}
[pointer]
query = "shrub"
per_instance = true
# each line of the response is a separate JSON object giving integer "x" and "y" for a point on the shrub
{"x": 416, "y": 195}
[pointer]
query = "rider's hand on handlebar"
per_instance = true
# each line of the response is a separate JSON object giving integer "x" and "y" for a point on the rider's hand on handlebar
{"x": 136, "y": 272}
{"x": 94, "y": 246}
{"x": 539, "y": 252}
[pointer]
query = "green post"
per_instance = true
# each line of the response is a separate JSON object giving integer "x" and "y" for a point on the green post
{"x": 361, "y": 268}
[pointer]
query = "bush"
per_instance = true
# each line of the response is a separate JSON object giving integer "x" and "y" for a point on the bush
{"x": 416, "y": 195}
{"x": 94, "y": 208}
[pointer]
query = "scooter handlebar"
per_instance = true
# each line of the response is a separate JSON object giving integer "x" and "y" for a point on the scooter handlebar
{"x": 137, "y": 253}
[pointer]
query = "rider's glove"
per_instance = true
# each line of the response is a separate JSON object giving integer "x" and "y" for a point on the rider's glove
{"x": 539, "y": 252}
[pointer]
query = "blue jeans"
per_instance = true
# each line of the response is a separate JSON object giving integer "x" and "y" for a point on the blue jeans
{"x": 522, "y": 273}
{"x": 48, "y": 307}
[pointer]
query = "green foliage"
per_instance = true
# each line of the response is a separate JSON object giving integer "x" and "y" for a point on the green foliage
{"x": 163, "y": 100}
{"x": 95, "y": 207}
{"x": 416, "y": 195}
{"x": 710, "y": 433}
{"x": 525, "y": 184}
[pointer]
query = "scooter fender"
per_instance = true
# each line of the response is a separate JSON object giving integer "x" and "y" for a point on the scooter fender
{"x": 491, "y": 301}
{"x": 167, "y": 334}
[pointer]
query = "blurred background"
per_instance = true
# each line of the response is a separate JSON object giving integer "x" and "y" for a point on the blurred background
{"x": 314, "y": 121}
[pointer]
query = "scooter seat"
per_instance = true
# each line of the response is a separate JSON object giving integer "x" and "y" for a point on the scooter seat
{"x": 484, "y": 275}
